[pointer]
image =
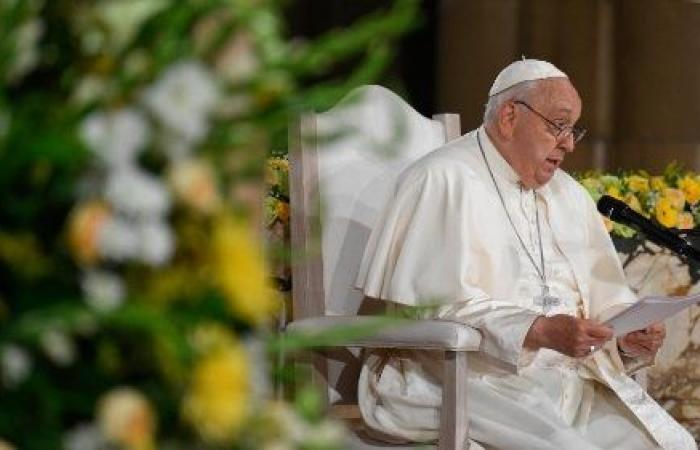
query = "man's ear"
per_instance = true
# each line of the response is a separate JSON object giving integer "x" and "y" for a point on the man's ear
{"x": 506, "y": 120}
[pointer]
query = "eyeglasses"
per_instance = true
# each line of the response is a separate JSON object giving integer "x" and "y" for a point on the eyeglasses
{"x": 562, "y": 131}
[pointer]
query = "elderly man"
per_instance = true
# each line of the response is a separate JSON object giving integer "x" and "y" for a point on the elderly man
{"x": 488, "y": 231}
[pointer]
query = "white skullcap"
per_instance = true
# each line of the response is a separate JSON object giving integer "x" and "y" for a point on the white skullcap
{"x": 521, "y": 71}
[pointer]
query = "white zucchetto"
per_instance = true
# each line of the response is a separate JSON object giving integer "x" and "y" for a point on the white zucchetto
{"x": 524, "y": 70}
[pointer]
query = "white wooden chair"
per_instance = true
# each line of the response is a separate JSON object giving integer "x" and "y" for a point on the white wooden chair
{"x": 343, "y": 164}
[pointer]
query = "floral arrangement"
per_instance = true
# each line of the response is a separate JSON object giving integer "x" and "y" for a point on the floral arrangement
{"x": 671, "y": 199}
{"x": 136, "y": 306}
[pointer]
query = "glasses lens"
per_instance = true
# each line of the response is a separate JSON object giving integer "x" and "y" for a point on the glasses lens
{"x": 578, "y": 133}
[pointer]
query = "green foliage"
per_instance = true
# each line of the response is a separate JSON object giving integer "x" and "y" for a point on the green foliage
{"x": 70, "y": 71}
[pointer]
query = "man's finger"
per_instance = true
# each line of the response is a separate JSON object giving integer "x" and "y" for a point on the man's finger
{"x": 599, "y": 331}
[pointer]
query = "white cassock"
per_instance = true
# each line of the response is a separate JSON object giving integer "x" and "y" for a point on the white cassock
{"x": 445, "y": 240}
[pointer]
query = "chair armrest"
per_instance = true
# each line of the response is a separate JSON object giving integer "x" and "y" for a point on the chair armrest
{"x": 405, "y": 334}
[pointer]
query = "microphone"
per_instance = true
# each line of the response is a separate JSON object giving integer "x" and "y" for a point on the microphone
{"x": 620, "y": 212}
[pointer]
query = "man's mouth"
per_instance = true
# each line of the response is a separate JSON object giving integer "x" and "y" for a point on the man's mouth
{"x": 554, "y": 161}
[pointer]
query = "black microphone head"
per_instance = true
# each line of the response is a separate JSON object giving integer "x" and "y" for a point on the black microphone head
{"x": 611, "y": 207}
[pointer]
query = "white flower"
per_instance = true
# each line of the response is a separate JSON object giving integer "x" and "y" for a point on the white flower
{"x": 103, "y": 291}
{"x": 157, "y": 243}
{"x": 58, "y": 347}
{"x": 26, "y": 52}
{"x": 118, "y": 240}
{"x": 257, "y": 356}
{"x": 16, "y": 364}
{"x": 183, "y": 98}
{"x": 137, "y": 193}
{"x": 90, "y": 89}
{"x": 84, "y": 437}
{"x": 116, "y": 137}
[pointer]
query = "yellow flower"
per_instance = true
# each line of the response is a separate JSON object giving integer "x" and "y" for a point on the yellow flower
{"x": 84, "y": 225}
{"x": 216, "y": 402}
{"x": 638, "y": 183}
{"x": 691, "y": 188}
{"x": 194, "y": 183}
{"x": 126, "y": 418}
{"x": 676, "y": 197}
{"x": 666, "y": 214}
{"x": 658, "y": 183}
{"x": 614, "y": 191}
{"x": 633, "y": 202}
{"x": 241, "y": 272}
{"x": 282, "y": 211}
{"x": 686, "y": 221}
{"x": 592, "y": 184}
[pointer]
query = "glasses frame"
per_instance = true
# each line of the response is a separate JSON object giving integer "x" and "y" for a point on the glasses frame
{"x": 563, "y": 131}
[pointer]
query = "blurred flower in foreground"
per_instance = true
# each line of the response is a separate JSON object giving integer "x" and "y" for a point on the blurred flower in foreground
{"x": 183, "y": 98}
{"x": 59, "y": 347}
{"x": 241, "y": 272}
{"x": 84, "y": 437}
{"x": 216, "y": 403}
{"x": 84, "y": 229}
{"x": 194, "y": 183}
{"x": 15, "y": 365}
{"x": 116, "y": 137}
{"x": 126, "y": 418}
{"x": 5, "y": 445}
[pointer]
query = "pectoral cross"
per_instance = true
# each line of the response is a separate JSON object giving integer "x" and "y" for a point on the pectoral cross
{"x": 546, "y": 301}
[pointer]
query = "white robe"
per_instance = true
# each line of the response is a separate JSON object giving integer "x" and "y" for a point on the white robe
{"x": 444, "y": 242}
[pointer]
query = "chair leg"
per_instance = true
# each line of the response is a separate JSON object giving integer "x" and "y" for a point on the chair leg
{"x": 453, "y": 416}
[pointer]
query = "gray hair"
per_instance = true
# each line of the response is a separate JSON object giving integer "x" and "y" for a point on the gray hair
{"x": 521, "y": 91}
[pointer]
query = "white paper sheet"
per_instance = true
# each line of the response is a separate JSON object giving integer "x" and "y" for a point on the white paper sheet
{"x": 647, "y": 311}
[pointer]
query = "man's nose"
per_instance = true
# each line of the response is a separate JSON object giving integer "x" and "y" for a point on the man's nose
{"x": 567, "y": 143}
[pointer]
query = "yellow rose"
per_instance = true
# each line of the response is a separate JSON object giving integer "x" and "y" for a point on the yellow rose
{"x": 691, "y": 188}
{"x": 666, "y": 214}
{"x": 637, "y": 183}
{"x": 633, "y": 202}
{"x": 126, "y": 418}
{"x": 658, "y": 183}
{"x": 676, "y": 197}
{"x": 614, "y": 191}
{"x": 686, "y": 221}
{"x": 241, "y": 272}
{"x": 84, "y": 225}
{"x": 217, "y": 399}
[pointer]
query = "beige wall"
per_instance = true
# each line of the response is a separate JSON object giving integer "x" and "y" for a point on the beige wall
{"x": 636, "y": 64}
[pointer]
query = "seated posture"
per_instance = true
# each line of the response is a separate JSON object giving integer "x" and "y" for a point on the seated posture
{"x": 488, "y": 231}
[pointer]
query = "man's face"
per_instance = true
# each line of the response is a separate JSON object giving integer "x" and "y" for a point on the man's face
{"x": 537, "y": 152}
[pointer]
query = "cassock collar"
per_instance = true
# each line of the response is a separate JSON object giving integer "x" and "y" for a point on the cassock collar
{"x": 500, "y": 167}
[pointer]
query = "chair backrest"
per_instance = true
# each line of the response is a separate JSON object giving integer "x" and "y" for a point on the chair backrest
{"x": 344, "y": 163}
{"x": 343, "y": 167}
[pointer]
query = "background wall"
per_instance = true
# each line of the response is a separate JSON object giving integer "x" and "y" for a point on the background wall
{"x": 633, "y": 62}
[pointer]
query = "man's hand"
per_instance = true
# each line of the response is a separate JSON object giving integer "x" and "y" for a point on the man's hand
{"x": 567, "y": 334}
{"x": 643, "y": 343}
